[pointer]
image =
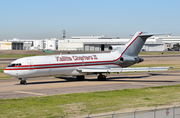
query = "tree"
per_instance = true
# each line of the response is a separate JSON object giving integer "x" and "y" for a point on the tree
{"x": 176, "y": 46}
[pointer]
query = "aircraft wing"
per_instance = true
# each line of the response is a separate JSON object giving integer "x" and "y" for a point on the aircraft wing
{"x": 107, "y": 70}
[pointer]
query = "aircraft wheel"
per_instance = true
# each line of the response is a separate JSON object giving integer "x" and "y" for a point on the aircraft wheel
{"x": 102, "y": 78}
{"x": 23, "y": 82}
{"x": 80, "y": 78}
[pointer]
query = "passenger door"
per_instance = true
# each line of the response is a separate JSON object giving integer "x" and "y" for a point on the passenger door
{"x": 30, "y": 64}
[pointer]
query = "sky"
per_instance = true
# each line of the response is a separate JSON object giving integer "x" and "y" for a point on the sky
{"x": 39, "y": 19}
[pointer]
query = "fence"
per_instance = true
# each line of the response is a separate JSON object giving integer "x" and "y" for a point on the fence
{"x": 168, "y": 112}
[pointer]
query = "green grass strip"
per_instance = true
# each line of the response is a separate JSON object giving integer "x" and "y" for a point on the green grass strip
{"x": 2, "y": 70}
{"x": 153, "y": 65}
{"x": 71, "y": 105}
{"x": 15, "y": 55}
{"x": 159, "y": 53}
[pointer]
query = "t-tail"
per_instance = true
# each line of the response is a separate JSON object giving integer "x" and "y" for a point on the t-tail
{"x": 129, "y": 52}
{"x": 133, "y": 47}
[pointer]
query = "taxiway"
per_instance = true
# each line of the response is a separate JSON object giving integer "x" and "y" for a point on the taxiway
{"x": 44, "y": 86}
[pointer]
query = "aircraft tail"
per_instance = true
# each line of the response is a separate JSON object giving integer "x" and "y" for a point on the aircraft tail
{"x": 133, "y": 47}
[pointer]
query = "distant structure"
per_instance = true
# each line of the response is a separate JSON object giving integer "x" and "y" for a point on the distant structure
{"x": 86, "y": 43}
{"x": 64, "y": 34}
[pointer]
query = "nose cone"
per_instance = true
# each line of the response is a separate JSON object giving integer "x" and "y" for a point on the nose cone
{"x": 10, "y": 72}
{"x": 13, "y": 73}
{"x": 7, "y": 72}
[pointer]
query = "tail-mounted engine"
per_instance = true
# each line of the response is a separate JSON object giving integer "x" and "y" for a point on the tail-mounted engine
{"x": 130, "y": 59}
{"x": 114, "y": 47}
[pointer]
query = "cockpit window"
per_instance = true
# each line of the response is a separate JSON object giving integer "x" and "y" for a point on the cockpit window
{"x": 19, "y": 64}
{"x": 12, "y": 65}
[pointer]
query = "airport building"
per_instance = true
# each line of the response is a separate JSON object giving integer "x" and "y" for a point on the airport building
{"x": 86, "y": 43}
{"x": 101, "y": 43}
{"x": 4, "y": 45}
{"x": 37, "y": 45}
{"x": 19, "y": 44}
{"x": 50, "y": 44}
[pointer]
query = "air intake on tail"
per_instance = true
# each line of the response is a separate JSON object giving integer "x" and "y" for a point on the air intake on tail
{"x": 114, "y": 47}
{"x": 130, "y": 59}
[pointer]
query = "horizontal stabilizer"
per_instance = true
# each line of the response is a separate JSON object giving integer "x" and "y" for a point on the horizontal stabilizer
{"x": 153, "y": 34}
{"x": 105, "y": 70}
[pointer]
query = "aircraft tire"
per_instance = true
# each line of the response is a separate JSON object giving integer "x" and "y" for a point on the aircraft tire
{"x": 101, "y": 78}
{"x": 80, "y": 78}
{"x": 23, "y": 82}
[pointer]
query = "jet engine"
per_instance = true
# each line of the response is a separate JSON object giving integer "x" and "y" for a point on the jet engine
{"x": 130, "y": 59}
{"x": 114, "y": 47}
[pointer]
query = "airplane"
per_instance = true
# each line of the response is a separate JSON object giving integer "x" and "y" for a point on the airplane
{"x": 79, "y": 65}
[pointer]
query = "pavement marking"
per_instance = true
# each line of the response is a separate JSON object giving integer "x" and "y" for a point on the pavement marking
{"x": 30, "y": 93}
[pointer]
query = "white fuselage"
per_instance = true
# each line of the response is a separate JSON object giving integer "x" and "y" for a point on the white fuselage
{"x": 61, "y": 64}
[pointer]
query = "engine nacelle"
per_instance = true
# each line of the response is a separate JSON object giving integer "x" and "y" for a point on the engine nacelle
{"x": 138, "y": 60}
{"x": 130, "y": 59}
{"x": 114, "y": 47}
{"x": 127, "y": 59}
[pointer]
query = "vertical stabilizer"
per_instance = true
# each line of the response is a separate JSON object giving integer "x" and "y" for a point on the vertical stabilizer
{"x": 133, "y": 47}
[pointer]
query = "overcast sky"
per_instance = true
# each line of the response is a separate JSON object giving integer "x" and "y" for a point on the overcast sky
{"x": 39, "y": 19}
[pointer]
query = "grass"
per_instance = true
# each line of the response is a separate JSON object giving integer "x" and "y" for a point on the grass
{"x": 2, "y": 74}
{"x": 153, "y": 65}
{"x": 71, "y": 105}
{"x": 1, "y": 70}
{"x": 159, "y": 53}
{"x": 15, "y": 55}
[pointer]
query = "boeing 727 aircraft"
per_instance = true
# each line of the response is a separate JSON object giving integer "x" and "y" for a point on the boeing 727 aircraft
{"x": 120, "y": 57}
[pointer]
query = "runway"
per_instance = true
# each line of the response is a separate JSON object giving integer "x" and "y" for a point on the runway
{"x": 45, "y": 86}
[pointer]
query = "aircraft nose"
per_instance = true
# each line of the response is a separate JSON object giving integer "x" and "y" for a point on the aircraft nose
{"x": 6, "y": 71}
{"x": 9, "y": 72}
{"x": 13, "y": 73}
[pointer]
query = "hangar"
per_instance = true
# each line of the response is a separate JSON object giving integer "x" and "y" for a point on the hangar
{"x": 4, "y": 45}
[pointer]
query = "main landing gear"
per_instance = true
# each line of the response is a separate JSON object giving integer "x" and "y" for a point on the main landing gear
{"x": 101, "y": 77}
{"x": 80, "y": 78}
{"x": 23, "y": 80}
